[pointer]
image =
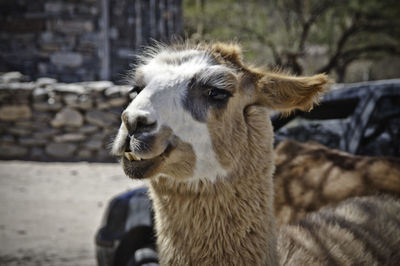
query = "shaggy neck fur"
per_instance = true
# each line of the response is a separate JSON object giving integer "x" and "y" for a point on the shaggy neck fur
{"x": 229, "y": 222}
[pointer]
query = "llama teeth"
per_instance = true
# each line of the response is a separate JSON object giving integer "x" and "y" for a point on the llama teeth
{"x": 128, "y": 156}
{"x": 136, "y": 158}
{"x": 131, "y": 157}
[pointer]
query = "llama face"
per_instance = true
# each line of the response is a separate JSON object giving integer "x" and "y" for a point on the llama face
{"x": 166, "y": 124}
{"x": 189, "y": 119}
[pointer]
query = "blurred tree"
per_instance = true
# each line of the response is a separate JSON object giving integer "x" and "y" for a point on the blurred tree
{"x": 366, "y": 29}
{"x": 345, "y": 31}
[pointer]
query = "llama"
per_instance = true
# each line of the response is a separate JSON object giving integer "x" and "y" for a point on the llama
{"x": 309, "y": 176}
{"x": 199, "y": 132}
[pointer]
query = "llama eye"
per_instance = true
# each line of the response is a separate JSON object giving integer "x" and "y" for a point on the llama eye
{"x": 136, "y": 89}
{"x": 218, "y": 94}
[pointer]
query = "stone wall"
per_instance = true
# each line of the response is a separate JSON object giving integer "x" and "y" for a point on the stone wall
{"x": 74, "y": 40}
{"x": 60, "y": 39}
{"x": 50, "y": 121}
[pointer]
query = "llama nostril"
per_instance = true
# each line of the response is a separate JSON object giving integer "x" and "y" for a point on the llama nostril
{"x": 143, "y": 125}
{"x": 131, "y": 128}
{"x": 143, "y": 129}
{"x": 137, "y": 124}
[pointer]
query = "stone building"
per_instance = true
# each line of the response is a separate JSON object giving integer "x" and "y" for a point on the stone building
{"x": 75, "y": 40}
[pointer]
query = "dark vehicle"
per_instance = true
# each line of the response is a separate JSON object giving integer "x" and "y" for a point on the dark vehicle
{"x": 362, "y": 118}
{"x": 126, "y": 234}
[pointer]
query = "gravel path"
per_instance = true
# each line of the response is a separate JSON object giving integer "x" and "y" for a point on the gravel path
{"x": 49, "y": 212}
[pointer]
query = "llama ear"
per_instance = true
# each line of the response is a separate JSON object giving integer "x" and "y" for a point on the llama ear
{"x": 285, "y": 93}
{"x": 228, "y": 51}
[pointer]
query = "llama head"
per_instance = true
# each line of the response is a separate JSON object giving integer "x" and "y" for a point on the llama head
{"x": 197, "y": 108}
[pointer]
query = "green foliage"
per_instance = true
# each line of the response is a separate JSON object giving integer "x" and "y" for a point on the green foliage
{"x": 286, "y": 33}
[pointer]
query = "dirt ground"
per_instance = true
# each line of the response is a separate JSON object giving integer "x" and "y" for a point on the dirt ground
{"x": 49, "y": 212}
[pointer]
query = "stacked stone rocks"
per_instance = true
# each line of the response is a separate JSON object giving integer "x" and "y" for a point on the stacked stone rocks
{"x": 49, "y": 121}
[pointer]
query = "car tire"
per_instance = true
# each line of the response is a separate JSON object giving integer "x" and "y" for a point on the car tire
{"x": 138, "y": 238}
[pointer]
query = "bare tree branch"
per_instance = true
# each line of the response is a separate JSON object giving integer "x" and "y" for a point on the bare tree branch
{"x": 263, "y": 39}
{"x": 339, "y": 47}
{"x": 319, "y": 9}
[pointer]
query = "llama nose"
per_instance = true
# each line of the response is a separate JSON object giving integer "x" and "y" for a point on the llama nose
{"x": 137, "y": 124}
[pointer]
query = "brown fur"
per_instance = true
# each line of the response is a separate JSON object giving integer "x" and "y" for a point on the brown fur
{"x": 309, "y": 176}
{"x": 231, "y": 221}
{"x": 180, "y": 163}
{"x": 228, "y": 53}
{"x": 277, "y": 90}
{"x": 360, "y": 231}
{"x": 207, "y": 225}
{"x": 284, "y": 93}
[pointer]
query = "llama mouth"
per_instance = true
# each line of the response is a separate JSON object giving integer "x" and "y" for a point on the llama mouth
{"x": 131, "y": 156}
{"x": 139, "y": 168}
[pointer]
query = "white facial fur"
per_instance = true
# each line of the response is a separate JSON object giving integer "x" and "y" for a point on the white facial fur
{"x": 166, "y": 84}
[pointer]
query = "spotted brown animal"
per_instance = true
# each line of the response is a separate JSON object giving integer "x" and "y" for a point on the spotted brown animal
{"x": 309, "y": 176}
{"x": 199, "y": 132}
